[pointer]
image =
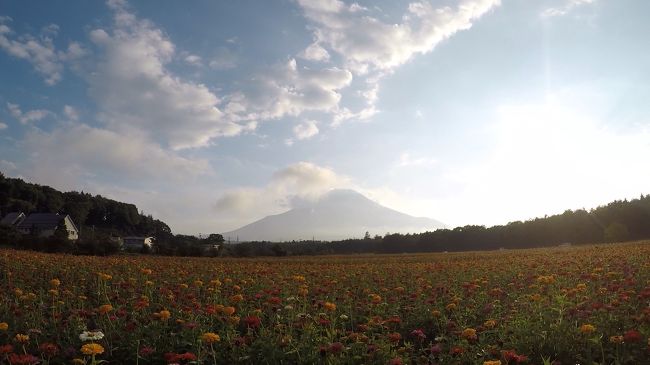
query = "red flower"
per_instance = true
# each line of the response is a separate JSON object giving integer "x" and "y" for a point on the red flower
{"x": 5, "y": 349}
{"x": 435, "y": 349}
{"x": 171, "y": 357}
{"x": 49, "y": 349}
{"x": 456, "y": 350}
{"x": 146, "y": 351}
{"x": 395, "y": 361}
{"x": 419, "y": 334}
{"x": 632, "y": 336}
{"x": 252, "y": 322}
{"x": 336, "y": 347}
{"x": 27, "y": 359}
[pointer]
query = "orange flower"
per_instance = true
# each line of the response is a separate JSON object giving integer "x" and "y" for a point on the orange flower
{"x": 329, "y": 306}
{"x": 4, "y": 326}
{"x": 92, "y": 349}
{"x": 163, "y": 315}
{"x": 469, "y": 334}
{"x": 22, "y": 338}
{"x": 210, "y": 337}
{"x": 229, "y": 311}
{"x": 55, "y": 283}
{"x": 490, "y": 323}
{"x": 236, "y": 298}
{"x": 492, "y": 362}
{"x": 587, "y": 328}
{"x": 105, "y": 308}
{"x": 375, "y": 299}
{"x": 616, "y": 339}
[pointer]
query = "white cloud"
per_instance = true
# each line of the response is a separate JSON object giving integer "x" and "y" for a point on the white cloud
{"x": 75, "y": 149}
{"x": 289, "y": 90}
{"x": 71, "y": 113}
{"x": 29, "y": 116}
{"x": 194, "y": 60}
{"x": 383, "y": 45}
{"x": 305, "y": 130}
{"x": 40, "y": 51}
{"x": 7, "y": 166}
{"x": 297, "y": 182}
{"x": 136, "y": 93}
{"x": 315, "y": 53}
{"x": 3, "y": 126}
{"x": 224, "y": 59}
{"x": 565, "y": 9}
{"x": 407, "y": 160}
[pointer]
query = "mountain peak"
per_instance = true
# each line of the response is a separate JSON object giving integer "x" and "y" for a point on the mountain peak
{"x": 338, "y": 214}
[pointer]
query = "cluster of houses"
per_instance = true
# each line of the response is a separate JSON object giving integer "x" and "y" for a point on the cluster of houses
{"x": 45, "y": 224}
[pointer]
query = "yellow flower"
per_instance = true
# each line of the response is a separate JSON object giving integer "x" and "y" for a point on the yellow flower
{"x": 92, "y": 349}
{"x": 469, "y": 334}
{"x": 535, "y": 297}
{"x": 4, "y": 326}
{"x": 22, "y": 338}
{"x": 492, "y": 362}
{"x": 105, "y": 308}
{"x": 587, "y": 328}
{"x": 435, "y": 313}
{"x": 299, "y": 278}
{"x": 210, "y": 337}
{"x": 164, "y": 315}
{"x": 490, "y": 323}
{"x": 329, "y": 306}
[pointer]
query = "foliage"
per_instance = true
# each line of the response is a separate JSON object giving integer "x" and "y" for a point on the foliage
{"x": 616, "y": 232}
{"x": 565, "y": 305}
{"x": 89, "y": 213}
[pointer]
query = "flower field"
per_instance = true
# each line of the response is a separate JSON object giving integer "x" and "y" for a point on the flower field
{"x": 572, "y": 305}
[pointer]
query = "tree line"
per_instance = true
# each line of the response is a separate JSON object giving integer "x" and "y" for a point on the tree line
{"x": 621, "y": 220}
{"x": 99, "y": 218}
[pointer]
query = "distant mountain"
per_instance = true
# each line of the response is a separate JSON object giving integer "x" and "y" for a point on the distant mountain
{"x": 338, "y": 214}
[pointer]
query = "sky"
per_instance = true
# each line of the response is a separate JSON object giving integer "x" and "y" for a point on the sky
{"x": 211, "y": 114}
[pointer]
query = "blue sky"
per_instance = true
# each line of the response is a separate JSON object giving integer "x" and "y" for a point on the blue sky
{"x": 210, "y": 114}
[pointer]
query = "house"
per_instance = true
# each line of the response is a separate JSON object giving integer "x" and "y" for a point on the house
{"x": 137, "y": 243}
{"x": 44, "y": 225}
{"x": 13, "y": 219}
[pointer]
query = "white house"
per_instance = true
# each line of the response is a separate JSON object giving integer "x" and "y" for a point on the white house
{"x": 44, "y": 225}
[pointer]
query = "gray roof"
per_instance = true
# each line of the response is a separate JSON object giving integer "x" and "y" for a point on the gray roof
{"x": 11, "y": 218}
{"x": 42, "y": 221}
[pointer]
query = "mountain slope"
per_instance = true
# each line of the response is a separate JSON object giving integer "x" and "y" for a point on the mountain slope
{"x": 339, "y": 214}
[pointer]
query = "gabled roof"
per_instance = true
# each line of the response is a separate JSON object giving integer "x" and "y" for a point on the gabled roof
{"x": 12, "y": 218}
{"x": 43, "y": 221}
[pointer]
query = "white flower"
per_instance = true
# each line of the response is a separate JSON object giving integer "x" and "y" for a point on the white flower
{"x": 91, "y": 335}
{"x": 343, "y": 317}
